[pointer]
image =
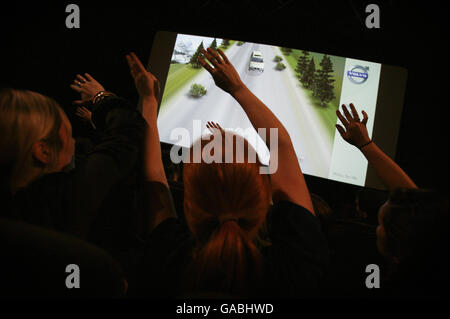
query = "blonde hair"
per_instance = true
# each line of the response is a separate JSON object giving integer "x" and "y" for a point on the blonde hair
{"x": 25, "y": 118}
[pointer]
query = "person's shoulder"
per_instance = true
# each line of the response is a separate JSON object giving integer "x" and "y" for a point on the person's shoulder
{"x": 288, "y": 211}
{"x": 294, "y": 228}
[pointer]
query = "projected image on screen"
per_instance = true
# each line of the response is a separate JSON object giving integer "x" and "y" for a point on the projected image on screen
{"x": 303, "y": 89}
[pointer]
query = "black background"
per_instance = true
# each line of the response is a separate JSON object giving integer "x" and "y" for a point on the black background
{"x": 41, "y": 54}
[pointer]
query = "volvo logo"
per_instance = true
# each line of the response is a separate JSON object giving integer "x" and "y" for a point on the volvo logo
{"x": 358, "y": 74}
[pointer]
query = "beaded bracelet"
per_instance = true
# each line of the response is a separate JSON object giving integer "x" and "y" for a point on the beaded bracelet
{"x": 100, "y": 96}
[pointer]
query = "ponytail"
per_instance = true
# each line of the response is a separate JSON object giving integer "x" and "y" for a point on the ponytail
{"x": 229, "y": 262}
{"x": 225, "y": 205}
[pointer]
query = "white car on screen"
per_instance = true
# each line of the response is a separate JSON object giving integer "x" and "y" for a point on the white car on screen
{"x": 256, "y": 62}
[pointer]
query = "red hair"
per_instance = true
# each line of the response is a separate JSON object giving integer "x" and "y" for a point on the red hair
{"x": 225, "y": 205}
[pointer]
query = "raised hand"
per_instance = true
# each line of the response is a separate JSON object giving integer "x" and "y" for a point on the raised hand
{"x": 355, "y": 131}
{"x": 146, "y": 83}
{"x": 213, "y": 126}
{"x": 356, "y": 134}
{"x": 223, "y": 72}
{"x": 84, "y": 113}
{"x": 87, "y": 86}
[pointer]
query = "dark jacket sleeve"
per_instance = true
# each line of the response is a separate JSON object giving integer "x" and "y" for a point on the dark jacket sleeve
{"x": 112, "y": 159}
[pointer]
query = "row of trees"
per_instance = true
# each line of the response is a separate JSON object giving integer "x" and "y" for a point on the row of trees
{"x": 319, "y": 81}
{"x": 194, "y": 59}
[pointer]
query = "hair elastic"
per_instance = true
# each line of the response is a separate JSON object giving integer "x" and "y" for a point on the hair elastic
{"x": 228, "y": 220}
{"x": 365, "y": 144}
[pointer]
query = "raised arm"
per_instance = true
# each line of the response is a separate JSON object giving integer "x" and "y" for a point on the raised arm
{"x": 113, "y": 158}
{"x": 355, "y": 133}
{"x": 288, "y": 182}
{"x": 157, "y": 197}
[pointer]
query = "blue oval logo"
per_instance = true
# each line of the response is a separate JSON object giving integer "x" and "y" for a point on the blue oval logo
{"x": 359, "y": 74}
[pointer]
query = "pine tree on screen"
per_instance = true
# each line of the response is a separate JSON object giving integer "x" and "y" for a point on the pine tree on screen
{"x": 213, "y": 45}
{"x": 194, "y": 58}
{"x": 302, "y": 63}
{"x": 323, "y": 87}
{"x": 307, "y": 77}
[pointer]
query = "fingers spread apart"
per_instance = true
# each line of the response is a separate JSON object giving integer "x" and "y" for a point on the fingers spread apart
{"x": 215, "y": 56}
{"x": 89, "y": 77}
{"x": 225, "y": 58}
{"x": 347, "y": 114}
{"x": 341, "y": 118}
{"x": 214, "y": 128}
{"x": 76, "y": 88}
{"x": 213, "y": 125}
{"x": 340, "y": 129}
{"x": 365, "y": 118}
{"x": 354, "y": 112}
{"x": 81, "y": 78}
{"x": 205, "y": 64}
{"x": 353, "y": 117}
{"x": 210, "y": 58}
{"x": 216, "y": 59}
